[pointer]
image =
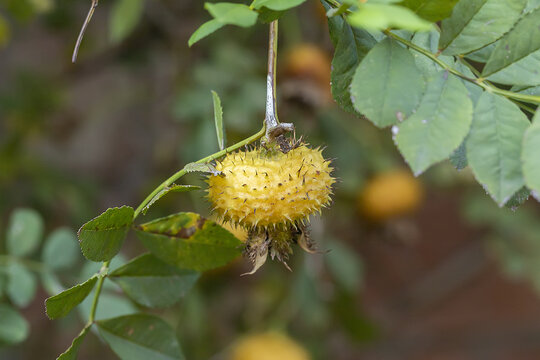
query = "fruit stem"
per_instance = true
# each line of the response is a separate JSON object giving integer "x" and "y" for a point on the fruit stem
{"x": 207, "y": 159}
{"x": 273, "y": 127}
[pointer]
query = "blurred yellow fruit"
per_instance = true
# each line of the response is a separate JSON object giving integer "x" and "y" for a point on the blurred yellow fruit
{"x": 309, "y": 61}
{"x": 389, "y": 195}
{"x": 238, "y": 231}
{"x": 268, "y": 346}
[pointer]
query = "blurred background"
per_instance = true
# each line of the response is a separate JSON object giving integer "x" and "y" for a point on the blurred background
{"x": 418, "y": 268}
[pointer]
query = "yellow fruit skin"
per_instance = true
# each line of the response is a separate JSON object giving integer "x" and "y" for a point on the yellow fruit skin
{"x": 257, "y": 189}
{"x": 268, "y": 346}
{"x": 389, "y": 195}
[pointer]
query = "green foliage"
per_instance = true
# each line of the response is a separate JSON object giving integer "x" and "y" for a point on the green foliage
{"x": 189, "y": 241}
{"x": 431, "y": 10}
{"x": 101, "y": 238}
{"x": 515, "y": 59}
{"x": 277, "y": 5}
{"x": 61, "y": 249}
{"x": 153, "y": 283}
{"x": 140, "y": 336}
{"x": 380, "y": 16}
{"x": 494, "y": 146}
{"x": 22, "y": 284}
{"x": 60, "y": 305}
{"x": 438, "y": 126}
{"x": 24, "y": 232}
{"x": 13, "y": 327}
{"x": 218, "y": 118}
{"x": 125, "y": 15}
{"x": 530, "y": 157}
{"x": 351, "y": 46}
{"x": 345, "y": 267}
{"x": 71, "y": 352}
{"x": 477, "y": 23}
{"x": 386, "y": 70}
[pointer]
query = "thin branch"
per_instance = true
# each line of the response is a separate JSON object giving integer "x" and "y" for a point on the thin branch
{"x": 102, "y": 275}
{"x": 83, "y": 29}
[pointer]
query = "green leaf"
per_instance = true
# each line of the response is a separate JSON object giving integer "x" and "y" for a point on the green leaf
{"x": 474, "y": 90}
{"x": 168, "y": 189}
{"x": 232, "y": 14}
{"x": 531, "y": 159}
{"x": 51, "y": 283}
{"x": 477, "y": 23}
{"x": 277, "y": 5}
{"x": 345, "y": 266}
{"x": 24, "y": 232}
{"x": 22, "y": 284}
{"x": 383, "y": 16}
{"x": 189, "y": 241}
{"x": 125, "y": 15}
{"x": 218, "y": 119}
{"x": 101, "y": 238}
{"x": 266, "y": 15}
{"x": 432, "y": 10}
{"x": 516, "y": 58}
{"x": 204, "y": 30}
{"x": 518, "y": 198}
{"x": 387, "y": 86}
{"x": 439, "y": 125}
{"x": 14, "y": 328}
{"x": 71, "y": 352}
{"x": 494, "y": 146}
{"x": 483, "y": 54}
{"x": 153, "y": 283}
{"x": 202, "y": 167}
{"x": 140, "y": 336}
{"x": 60, "y": 305}
{"x": 459, "y": 157}
{"x": 61, "y": 249}
{"x": 351, "y": 45}
{"x": 429, "y": 41}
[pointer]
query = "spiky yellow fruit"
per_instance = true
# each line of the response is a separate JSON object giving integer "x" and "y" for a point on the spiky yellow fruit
{"x": 260, "y": 189}
{"x": 268, "y": 346}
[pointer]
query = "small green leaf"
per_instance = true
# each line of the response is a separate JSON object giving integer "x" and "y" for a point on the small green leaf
{"x": 101, "y": 238}
{"x": 71, "y": 352}
{"x": 125, "y": 15}
{"x": 387, "y": 86}
{"x": 516, "y": 58}
{"x": 531, "y": 158}
{"x": 459, "y": 157}
{"x": 438, "y": 126}
{"x": 232, "y": 14}
{"x": 266, "y": 15}
{"x": 140, "y": 337}
{"x": 202, "y": 167}
{"x": 153, "y": 283}
{"x": 218, "y": 119}
{"x": 278, "y": 5}
{"x": 14, "y": 328}
{"x": 494, "y": 146}
{"x": 204, "y": 30}
{"x": 60, "y": 305}
{"x": 518, "y": 198}
{"x": 24, "y": 232}
{"x": 168, "y": 189}
{"x": 351, "y": 45}
{"x": 61, "y": 249}
{"x": 22, "y": 284}
{"x": 432, "y": 10}
{"x": 189, "y": 241}
{"x": 383, "y": 16}
{"x": 477, "y": 23}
